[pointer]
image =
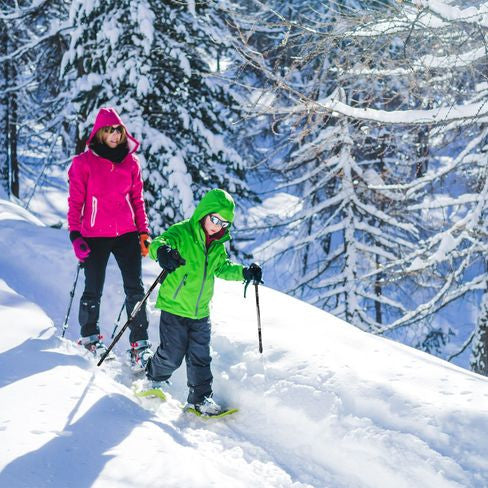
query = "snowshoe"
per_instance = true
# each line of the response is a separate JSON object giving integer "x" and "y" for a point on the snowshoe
{"x": 147, "y": 388}
{"x": 208, "y": 409}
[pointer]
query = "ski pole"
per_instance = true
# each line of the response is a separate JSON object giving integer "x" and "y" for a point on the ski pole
{"x": 71, "y": 294}
{"x": 258, "y": 311}
{"x": 137, "y": 307}
{"x": 117, "y": 322}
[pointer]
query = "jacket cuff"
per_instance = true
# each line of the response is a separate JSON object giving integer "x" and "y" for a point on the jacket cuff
{"x": 74, "y": 234}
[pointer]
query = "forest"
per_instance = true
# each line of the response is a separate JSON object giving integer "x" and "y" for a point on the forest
{"x": 352, "y": 134}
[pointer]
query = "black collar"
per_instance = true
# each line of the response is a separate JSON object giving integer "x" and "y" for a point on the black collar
{"x": 116, "y": 154}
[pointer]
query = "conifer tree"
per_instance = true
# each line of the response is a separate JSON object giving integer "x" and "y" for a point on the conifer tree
{"x": 420, "y": 84}
{"x": 155, "y": 62}
{"x": 32, "y": 44}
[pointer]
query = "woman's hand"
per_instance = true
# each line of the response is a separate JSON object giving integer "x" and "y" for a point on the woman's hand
{"x": 81, "y": 248}
{"x": 145, "y": 241}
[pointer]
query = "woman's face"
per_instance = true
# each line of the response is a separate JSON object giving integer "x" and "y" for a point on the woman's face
{"x": 111, "y": 135}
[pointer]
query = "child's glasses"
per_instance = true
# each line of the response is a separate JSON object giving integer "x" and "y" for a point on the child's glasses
{"x": 221, "y": 223}
{"x": 117, "y": 129}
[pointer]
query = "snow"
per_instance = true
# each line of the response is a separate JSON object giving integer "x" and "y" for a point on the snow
{"x": 427, "y": 63}
{"x": 452, "y": 13}
{"x": 441, "y": 115}
{"x": 325, "y": 405}
{"x": 12, "y": 211}
{"x": 184, "y": 62}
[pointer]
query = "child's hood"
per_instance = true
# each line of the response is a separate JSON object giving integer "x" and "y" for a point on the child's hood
{"x": 215, "y": 201}
{"x": 108, "y": 116}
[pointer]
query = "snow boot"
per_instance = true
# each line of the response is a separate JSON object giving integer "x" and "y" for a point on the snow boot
{"x": 139, "y": 355}
{"x": 95, "y": 345}
{"x": 208, "y": 407}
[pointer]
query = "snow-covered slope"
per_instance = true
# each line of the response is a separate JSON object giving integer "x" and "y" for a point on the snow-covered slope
{"x": 326, "y": 405}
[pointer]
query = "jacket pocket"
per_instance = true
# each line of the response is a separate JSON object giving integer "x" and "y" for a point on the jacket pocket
{"x": 94, "y": 211}
{"x": 130, "y": 208}
{"x": 182, "y": 283}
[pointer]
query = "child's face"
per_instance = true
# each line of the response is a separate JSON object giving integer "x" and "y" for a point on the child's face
{"x": 210, "y": 227}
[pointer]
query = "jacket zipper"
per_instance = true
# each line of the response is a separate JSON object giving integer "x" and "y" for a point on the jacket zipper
{"x": 94, "y": 211}
{"x": 203, "y": 282}
{"x": 131, "y": 209}
{"x": 182, "y": 283}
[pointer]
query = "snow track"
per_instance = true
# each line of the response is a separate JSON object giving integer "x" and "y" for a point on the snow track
{"x": 326, "y": 405}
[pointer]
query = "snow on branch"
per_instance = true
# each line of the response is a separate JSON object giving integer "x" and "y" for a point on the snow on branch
{"x": 424, "y": 63}
{"x": 34, "y": 43}
{"x": 335, "y": 108}
{"x": 451, "y": 13}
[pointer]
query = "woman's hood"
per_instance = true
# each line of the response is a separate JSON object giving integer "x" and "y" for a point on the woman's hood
{"x": 108, "y": 116}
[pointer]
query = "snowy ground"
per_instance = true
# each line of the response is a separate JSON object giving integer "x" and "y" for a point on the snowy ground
{"x": 326, "y": 405}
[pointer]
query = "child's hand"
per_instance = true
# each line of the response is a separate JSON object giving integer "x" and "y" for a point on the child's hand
{"x": 169, "y": 259}
{"x": 254, "y": 273}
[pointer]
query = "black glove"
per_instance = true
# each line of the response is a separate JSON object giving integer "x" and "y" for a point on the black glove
{"x": 253, "y": 273}
{"x": 169, "y": 259}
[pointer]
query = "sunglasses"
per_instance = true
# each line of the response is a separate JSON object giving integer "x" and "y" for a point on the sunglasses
{"x": 119, "y": 129}
{"x": 216, "y": 221}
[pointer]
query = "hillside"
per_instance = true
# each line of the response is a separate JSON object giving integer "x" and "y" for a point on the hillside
{"x": 326, "y": 405}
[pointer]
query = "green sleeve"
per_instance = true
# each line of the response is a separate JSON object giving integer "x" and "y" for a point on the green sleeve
{"x": 168, "y": 238}
{"x": 229, "y": 270}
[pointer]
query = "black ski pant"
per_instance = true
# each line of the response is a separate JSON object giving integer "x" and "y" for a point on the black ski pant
{"x": 182, "y": 337}
{"x": 127, "y": 252}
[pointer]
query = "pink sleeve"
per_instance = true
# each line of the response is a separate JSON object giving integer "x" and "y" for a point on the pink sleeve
{"x": 77, "y": 178}
{"x": 137, "y": 199}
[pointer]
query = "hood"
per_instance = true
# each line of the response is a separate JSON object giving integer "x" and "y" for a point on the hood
{"x": 109, "y": 116}
{"x": 215, "y": 201}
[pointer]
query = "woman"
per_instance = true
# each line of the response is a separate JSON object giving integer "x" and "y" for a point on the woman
{"x": 106, "y": 215}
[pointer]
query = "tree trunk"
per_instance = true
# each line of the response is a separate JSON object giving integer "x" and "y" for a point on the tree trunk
{"x": 479, "y": 355}
{"x": 422, "y": 164}
{"x": 10, "y": 124}
{"x": 378, "y": 292}
{"x": 4, "y": 169}
{"x": 12, "y": 138}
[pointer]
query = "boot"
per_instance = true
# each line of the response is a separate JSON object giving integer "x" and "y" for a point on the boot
{"x": 208, "y": 407}
{"x": 95, "y": 345}
{"x": 139, "y": 355}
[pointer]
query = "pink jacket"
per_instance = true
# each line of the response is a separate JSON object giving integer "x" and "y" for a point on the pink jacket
{"x": 105, "y": 198}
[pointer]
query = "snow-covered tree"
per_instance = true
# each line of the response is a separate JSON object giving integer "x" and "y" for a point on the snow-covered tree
{"x": 341, "y": 229}
{"x": 156, "y": 63}
{"x": 415, "y": 74}
{"x": 9, "y": 106}
{"x": 31, "y": 50}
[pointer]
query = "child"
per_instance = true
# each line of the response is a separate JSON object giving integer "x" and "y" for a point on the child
{"x": 185, "y": 295}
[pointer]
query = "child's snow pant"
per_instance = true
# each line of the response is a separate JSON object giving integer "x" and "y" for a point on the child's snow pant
{"x": 127, "y": 252}
{"x": 182, "y": 337}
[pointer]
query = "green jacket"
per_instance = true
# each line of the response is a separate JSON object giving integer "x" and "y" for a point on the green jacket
{"x": 187, "y": 291}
